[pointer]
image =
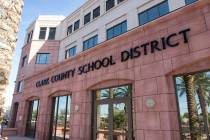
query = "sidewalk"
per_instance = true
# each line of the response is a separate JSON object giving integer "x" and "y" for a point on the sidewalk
{"x": 18, "y": 138}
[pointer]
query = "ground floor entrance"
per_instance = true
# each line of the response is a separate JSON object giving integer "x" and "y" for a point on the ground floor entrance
{"x": 32, "y": 118}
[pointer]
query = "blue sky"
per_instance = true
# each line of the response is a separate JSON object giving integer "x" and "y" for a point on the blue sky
{"x": 32, "y": 9}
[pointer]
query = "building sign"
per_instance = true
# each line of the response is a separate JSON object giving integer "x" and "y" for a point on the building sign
{"x": 135, "y": 52}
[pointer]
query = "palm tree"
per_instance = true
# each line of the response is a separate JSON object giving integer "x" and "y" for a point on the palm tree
{"x": 201, "y": 84}
{"x": 189, "y": 81}
{"x": 9, "y": 19}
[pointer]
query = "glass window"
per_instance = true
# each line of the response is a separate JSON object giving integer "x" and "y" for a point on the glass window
{"x": 87, "y": 18}
{"x": 32, "y": 118}
{"x": 112, "y": 112}
{"x": 190, "y": 1}
{"x": 70, "y": 52}
{"x": 117, "y": 30}
{"x": 20, "y": 86}
{"x": 96, "y": 12}
{"x": 29, "y": 37}
{"x": 76, "y": 25}
{"x": 69, "y": 30}
{"x": 42, "y": 58}
{"x": 192, "y": 93}
{"x": 24, "y": 61}
{"x": 110, "y": 4}
{"x": 42, "y": 32}
{"x": 52, "y": 33}
{"x": 119, "y": 1}
{"x": 60, "y": 123}
{"x": 153, "y": 13}
{"x": 93, "y": 41}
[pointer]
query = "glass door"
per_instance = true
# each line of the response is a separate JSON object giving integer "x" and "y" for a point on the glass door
{"x": 112, "y": 114}
{"x": 60, "y": 118}
{"x": 32, "y": 118}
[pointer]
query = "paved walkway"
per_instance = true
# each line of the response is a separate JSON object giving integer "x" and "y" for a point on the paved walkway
{"x": 18, "y": 138}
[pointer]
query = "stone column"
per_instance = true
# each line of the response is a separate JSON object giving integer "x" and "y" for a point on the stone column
{"x": 10, "y": 13}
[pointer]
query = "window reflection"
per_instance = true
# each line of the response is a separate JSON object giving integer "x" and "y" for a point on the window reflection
{"x": 194, "y": 100}
{"x": 102, "y": 94}
{"x": 60, "y": 122}
{"x": 32, "y": 118}
{"x": 112, "y": 114}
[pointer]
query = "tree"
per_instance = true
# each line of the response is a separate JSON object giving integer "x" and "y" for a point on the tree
{"x": 10, "y": 12}
{"x": 201, "y": 86}
{"x": 189, "y": 81}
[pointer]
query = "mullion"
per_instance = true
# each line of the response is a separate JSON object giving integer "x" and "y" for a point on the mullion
{"x": 56, "y": 119}
{"x": 36, "y": 116}
{"x": 65, "y": 118}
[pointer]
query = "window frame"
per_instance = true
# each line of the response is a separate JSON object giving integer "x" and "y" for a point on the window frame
{"x": 147, "y": 10}
{"x": 43, "y": 54}
{"x": 110, "y": 101}
{"x": 24, "y": 61}
{"x": 108, "y": 5}
{"x": 20, "y": 86}
{"x": 87, "y": 18}
{"x": 68, "y": 51}
{"x": 45, "y": 32}
{"x": 187, "y": 2}
{"x": 76, "y": 25}
{"x": 115, "y": 26}
{"x": 69, "y": 30}
{"x": 95, "y": 15}
{"x": 50, "y": 31}
{"x": 88, "y": 40}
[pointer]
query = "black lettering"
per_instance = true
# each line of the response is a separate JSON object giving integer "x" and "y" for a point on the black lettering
{"x": 184, "y": 33}
{"x": 136, "y": 52}
{"x": 163, "y": 43}
{"x": 105, "y": 62}
{"x": 168, "y": 40}
{"x": 125, "y": 55}
{"x": 97, "y": 64}
{"x": 154, "y": 46}
{"x": 112, "y": 62}
{"x": 145, "y": 48}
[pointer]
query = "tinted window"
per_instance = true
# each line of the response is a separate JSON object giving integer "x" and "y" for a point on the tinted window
{"x": 76, "y": 25}
{"x": 117, "y": 30}
{"x": 69, "y": 30}
{"x": 24, "y": 61}
{"x": 20, "y": 86}
{"x": 70, "y": 52}
{"x": 96, "y": 12}
{"x": 52, "y": 34}
{"x": 42, "y": 33}
{"x": 42, "y": 58}
{"x": 109, "y": 4}
{"x": 90, "y": 43}
{"x": 87, "y": 18}
{"x": 190, "y": 1}
{"x": 119, "y": 1}
{"x": 153, "y": 13}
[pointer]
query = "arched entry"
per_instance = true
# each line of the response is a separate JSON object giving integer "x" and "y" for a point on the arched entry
{"x": 33, "y": 110}
{"x": 14, "y": 115}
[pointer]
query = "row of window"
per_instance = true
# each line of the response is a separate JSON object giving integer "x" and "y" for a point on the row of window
{"x": 43, "y": 30}
{"x": 144, "y": 17}
{"x": 87, "y": 19}
{"x": 96, "y": 13}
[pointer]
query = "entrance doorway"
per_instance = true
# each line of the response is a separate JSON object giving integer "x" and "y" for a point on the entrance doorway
{"x": 32, "y": 118}
{"x": 60, "y": 118}
{"x": 14, "y": 115}
{"x": 193, "y": 95}
{"x": 112, "y": 114}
